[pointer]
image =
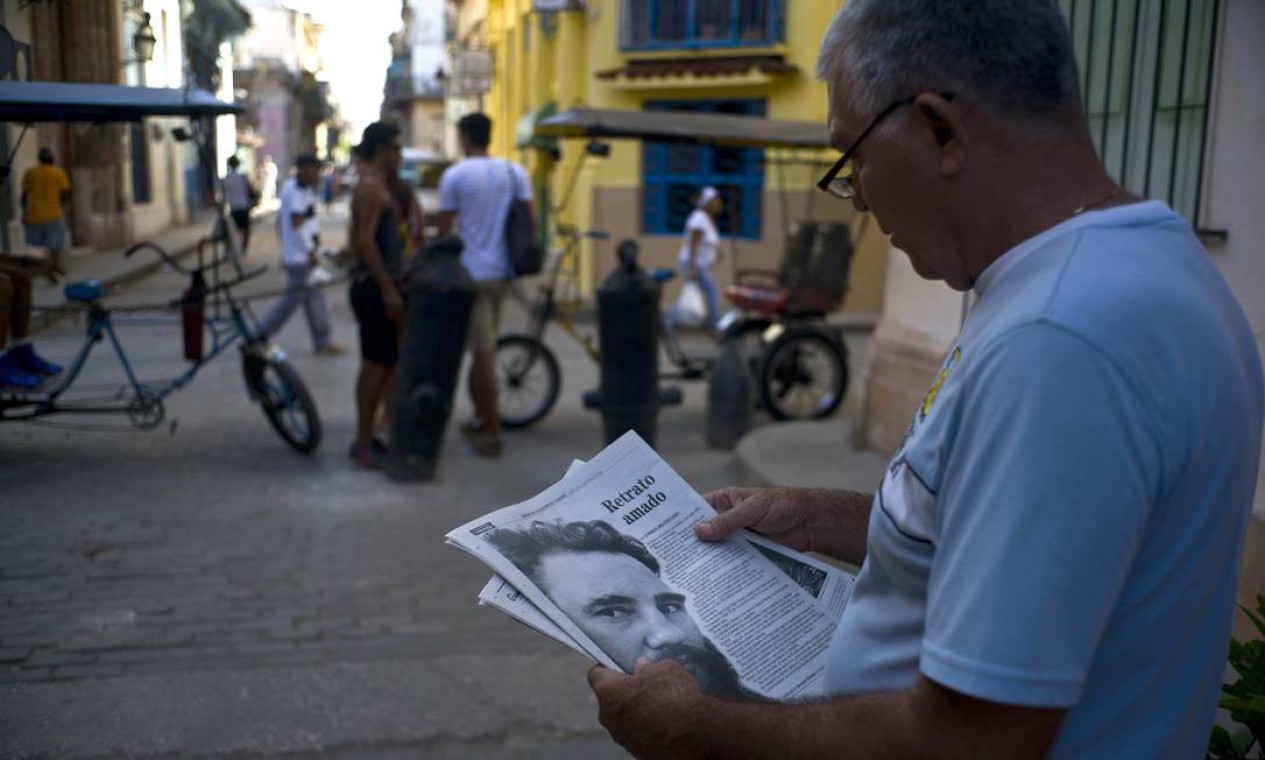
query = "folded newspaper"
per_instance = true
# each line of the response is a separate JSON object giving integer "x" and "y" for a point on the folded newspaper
{"x": 606, "y": 562}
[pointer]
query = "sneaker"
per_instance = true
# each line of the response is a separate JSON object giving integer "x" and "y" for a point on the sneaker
{"x": 333, "y": 349}
{"x": 29, "y": 361}
{"x": 368, "y": 456}
{"x": 14, "y": 376}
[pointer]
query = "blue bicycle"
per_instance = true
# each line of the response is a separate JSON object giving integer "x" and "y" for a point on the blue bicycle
{"x": 207, "y": 308}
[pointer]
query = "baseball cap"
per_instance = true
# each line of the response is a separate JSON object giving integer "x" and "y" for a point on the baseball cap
{"x": 307, "y": 159}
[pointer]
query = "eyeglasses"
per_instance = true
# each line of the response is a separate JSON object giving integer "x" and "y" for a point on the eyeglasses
{"x": 843, "y": 187}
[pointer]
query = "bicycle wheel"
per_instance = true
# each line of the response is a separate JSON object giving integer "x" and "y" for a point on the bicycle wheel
{"x": 803, "y": 376}
{"x": 286, "y": 402}
{"x": 528, "y": 380}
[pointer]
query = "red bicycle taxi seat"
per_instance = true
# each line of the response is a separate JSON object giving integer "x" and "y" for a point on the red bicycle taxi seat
{"x": 765, "y": 300}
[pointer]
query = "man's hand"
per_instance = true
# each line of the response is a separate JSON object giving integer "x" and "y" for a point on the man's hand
{"x": 48, "y": 269}
{"x": 826, "y": 521}
{"x": 650, "y": 712}
{"x": 778, "y": 513}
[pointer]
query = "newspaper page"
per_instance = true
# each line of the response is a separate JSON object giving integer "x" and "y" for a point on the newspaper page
{"x": 829, "y": 585}
{"x": 610, "y": 557}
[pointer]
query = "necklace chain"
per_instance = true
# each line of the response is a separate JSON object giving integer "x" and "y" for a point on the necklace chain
{"x": 1117, "y": 191}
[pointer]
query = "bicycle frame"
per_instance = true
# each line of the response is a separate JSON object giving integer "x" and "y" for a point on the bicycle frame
{"x": 225, "y": 332}
{"x": 547, "y": 310}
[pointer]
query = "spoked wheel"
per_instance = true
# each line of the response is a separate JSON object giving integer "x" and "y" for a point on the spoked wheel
{"x": 803, "y": 376}
{"x": 286, "y": 402}
{"x": 528, "y": 380}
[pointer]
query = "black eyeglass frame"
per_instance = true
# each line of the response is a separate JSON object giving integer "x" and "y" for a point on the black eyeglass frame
{"x": 826, "y": 183}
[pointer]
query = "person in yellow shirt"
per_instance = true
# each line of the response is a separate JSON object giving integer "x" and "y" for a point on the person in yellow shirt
{"x": 45, "y": 190}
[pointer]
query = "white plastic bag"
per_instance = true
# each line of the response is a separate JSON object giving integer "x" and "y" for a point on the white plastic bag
{"x": 691, "y": 307}
{"x": 318, "y": 276}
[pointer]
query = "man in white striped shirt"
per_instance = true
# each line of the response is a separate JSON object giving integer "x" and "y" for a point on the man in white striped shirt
{"x": 476, "y": 194}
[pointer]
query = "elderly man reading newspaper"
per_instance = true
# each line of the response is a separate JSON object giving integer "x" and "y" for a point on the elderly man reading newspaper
{"x": 1049, "y": 566}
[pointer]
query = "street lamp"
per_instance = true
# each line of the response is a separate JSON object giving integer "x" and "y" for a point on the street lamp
{"x": 143, "y": 41}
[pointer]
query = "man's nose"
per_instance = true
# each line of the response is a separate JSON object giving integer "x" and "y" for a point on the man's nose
{"x": 661, "y": 632}
{"x": 858, "y": 198}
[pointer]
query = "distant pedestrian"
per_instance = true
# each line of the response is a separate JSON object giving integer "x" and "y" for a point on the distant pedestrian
{"x": 375, "y": 296}
{"x": 300, "y": 244}
{"x": 700, "y": 250}
{"x": 268, "y": 179}
{"x": 475, "y": 196}
{"x": 45, "y": 192}
{"x": 241, "y": 196}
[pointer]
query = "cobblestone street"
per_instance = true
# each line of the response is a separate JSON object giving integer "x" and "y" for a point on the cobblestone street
{"x": 200, "y": 590}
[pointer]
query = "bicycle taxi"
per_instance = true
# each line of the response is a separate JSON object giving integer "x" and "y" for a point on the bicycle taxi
{"x": 208, "y": 308}
{"x": 797, "y": 356}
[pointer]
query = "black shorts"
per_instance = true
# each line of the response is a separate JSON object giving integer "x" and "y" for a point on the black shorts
{"x": 241, "y": 217}
{"x": 379, "y": 338}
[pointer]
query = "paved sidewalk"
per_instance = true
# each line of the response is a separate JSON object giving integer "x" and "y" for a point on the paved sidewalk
{"x": 112, "y": 270}
{"x": 815, "y": 454}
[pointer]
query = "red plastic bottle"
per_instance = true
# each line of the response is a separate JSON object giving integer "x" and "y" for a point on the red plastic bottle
{"x": 193, "y": 304}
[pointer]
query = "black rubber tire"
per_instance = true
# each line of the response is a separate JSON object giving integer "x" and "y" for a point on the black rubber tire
{"x": 528, "y": 380}
{"x": 792, "y": 369}
{"x": 287, "y": 404}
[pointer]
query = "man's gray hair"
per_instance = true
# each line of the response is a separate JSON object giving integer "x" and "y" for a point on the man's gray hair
{"x": 1012, "y": 57}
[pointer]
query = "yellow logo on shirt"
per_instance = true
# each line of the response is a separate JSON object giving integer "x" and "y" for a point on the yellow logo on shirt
{"x": 930, "y": 398}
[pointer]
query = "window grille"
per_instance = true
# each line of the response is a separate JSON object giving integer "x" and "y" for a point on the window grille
{"x": 1146, "y": 76}
{"x": 659, "y": 24}
{"x": 673, "y": 174}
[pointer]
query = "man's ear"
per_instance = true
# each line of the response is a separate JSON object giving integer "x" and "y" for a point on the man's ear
{"x": 948, "y": 132}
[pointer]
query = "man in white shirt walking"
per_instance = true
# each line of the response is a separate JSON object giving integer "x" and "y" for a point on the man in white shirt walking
{"x": 476, "y": 194}
{"x": 300, "y": 234}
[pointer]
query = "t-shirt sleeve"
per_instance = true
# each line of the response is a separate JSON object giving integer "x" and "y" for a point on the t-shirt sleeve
{"x": 697, "y": 220}
{"x": 63, "y": 181}
{"x": 1044, "y": 501}
{"x": 448, "y": 190}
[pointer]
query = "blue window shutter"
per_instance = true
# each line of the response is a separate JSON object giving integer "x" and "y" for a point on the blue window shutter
{"x": 671, "y": 174}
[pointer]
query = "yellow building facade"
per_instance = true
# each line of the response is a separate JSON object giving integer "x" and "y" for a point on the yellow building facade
{"x": 757, "y": 58}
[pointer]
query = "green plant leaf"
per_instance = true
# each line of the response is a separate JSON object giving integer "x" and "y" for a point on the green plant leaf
{"x": 1243, "y": 741}
{"x": 1221, "y": 745}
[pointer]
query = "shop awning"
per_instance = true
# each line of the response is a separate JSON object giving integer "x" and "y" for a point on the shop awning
{"x": 22, "y": 102}
{"x": 685, "y": 127}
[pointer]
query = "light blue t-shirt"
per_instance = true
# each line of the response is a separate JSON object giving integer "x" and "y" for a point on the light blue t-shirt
{"x": 1063, "y": 522}
{"x": 480, "y": 189}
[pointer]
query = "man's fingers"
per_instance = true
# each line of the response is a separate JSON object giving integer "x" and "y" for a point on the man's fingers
{"x": 601, "y": 676}
{"x": 724, "y": 524}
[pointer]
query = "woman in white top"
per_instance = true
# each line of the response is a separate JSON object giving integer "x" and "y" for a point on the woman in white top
{"x": 699, "y": 249}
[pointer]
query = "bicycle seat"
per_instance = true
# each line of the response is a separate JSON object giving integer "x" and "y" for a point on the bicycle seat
{"x": 765, "y": 300}
{"x": 84, "y": 291}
